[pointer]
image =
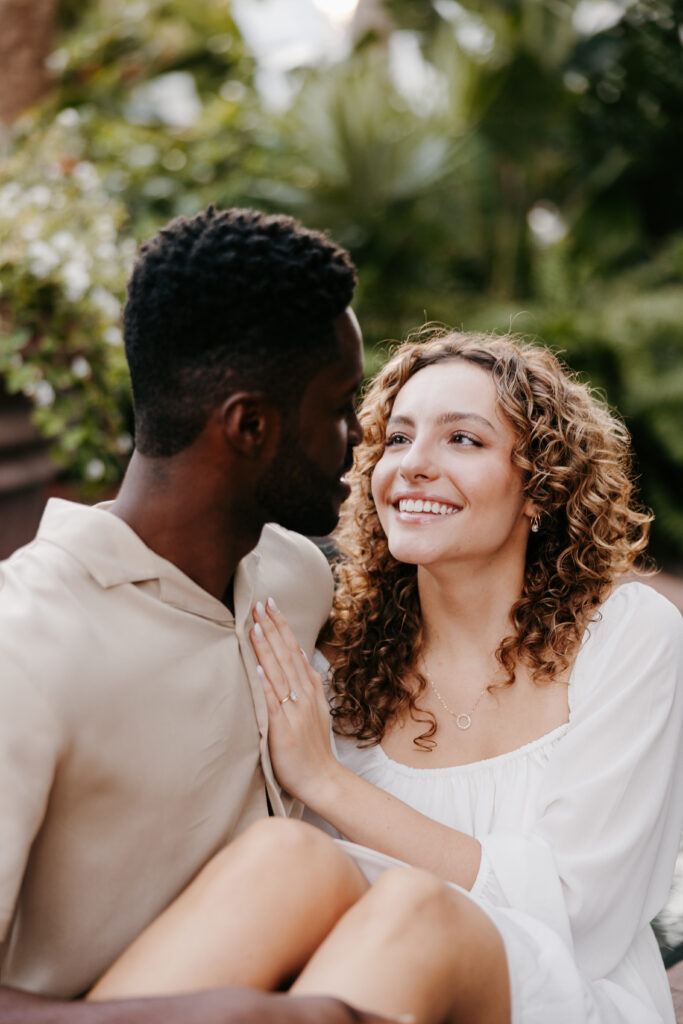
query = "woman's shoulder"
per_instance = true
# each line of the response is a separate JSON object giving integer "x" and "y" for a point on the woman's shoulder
{"x": 634, "y": 638}
{"x": 635, "y": 606}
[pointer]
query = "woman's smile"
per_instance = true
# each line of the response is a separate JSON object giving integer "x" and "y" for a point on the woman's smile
{"x": 423, "y": 508}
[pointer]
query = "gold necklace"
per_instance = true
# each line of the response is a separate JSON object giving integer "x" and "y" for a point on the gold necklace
{"x": 463, "y": 719}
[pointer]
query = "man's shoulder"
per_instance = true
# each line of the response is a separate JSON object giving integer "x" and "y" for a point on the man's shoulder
{"x": 280, "y": 546}
{"x": 53, "y": 554}
{"x": 297, "y": 575}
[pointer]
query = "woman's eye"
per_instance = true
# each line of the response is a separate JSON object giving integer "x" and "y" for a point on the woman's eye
{"x": 395, "y": 439}
{"x": 465, "y": 439}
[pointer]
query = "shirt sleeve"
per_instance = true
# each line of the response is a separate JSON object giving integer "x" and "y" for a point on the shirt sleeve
{"x": 597, "y": 864}
{"x": 29, "y": 750}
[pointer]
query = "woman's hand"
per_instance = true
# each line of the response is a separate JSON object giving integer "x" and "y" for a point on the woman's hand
{"x": 298, "y": 715}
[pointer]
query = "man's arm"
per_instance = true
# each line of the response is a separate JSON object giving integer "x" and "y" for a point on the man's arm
{"x": 218, "y": 1006}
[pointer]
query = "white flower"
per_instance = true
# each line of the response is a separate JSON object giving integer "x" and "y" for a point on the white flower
{"x": 95, "y": 469}
{"x": 171, "y": 98}
{"x": 113, "y": 336}
{"x": 76, "y": 280}
{"x": 57, "y": 61}
{"x": 105, "y": 228}
{"x": 63, "y": 241}
{"x": 10, "y": 196}
{"x": 39, "y": 196}
{"x": 80, "y": 367}
{"x": 106, "y": 302}
{"x": 593, "y": 16}
{"x": 106, "y": 251}
{"x": 42, "y": 258}
{"x": 129, "y": 248}
{"x": 124, "y": 443}
{"x": 30, "y": 229}
{"x": 44, "y": 393}
{"x": 546, "y": 222}
{"x": 85, "y": 176}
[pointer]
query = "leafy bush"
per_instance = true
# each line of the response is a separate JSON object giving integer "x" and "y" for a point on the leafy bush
{"x": 63, "y": 266}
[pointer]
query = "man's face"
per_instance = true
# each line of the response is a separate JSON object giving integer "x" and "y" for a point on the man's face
{"x": 303, "y": 488}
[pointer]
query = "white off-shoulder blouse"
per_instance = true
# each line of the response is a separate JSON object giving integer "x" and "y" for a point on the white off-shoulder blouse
{"x": 579, "y": 829}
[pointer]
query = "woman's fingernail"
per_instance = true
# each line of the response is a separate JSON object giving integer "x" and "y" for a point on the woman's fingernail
{"x": 406, "y": 1018}
{"x": 305, "y": 656}
{"x": 258, "y": 632}
{"x": 260, "y": 610}
{"x": 260, "y": 673}
{"x": 271, "y": 604}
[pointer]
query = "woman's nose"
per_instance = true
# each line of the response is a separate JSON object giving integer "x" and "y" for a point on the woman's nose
{"x": 418, "y": 462}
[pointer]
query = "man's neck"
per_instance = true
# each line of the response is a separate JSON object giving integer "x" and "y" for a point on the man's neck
{"x": 181, "y": 515}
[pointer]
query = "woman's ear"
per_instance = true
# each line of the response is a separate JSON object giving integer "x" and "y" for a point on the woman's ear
{"x": 251, "y": 424}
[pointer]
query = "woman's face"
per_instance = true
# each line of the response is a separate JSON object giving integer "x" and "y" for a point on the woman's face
{"x": 445, "y": 487}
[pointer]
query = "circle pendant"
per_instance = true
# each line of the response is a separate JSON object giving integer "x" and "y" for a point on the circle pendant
{"x": 463, "y": 720}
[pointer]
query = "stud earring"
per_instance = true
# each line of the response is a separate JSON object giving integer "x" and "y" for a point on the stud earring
{"x": 535, "y": 524}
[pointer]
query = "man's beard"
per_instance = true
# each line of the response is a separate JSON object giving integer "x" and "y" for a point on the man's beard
{"x": 297, "y": 494}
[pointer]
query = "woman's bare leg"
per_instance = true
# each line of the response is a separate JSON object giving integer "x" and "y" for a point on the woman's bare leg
{"x": 253, "y": 916}
{"x": 413, "y": 944}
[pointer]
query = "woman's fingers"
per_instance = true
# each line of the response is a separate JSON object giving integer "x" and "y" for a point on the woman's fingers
{"x": 268, "y": 662}
{"x": 282, "y": 626}
{"x": 278, "y": 652}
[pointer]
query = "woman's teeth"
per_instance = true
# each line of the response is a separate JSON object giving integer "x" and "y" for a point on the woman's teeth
{"x": 418, "y": 505}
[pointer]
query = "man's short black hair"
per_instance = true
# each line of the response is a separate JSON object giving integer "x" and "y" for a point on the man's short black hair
{"x": 222, "y": 300}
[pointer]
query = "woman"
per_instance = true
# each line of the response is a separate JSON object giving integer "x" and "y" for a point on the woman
{"x": 507, "y": 717}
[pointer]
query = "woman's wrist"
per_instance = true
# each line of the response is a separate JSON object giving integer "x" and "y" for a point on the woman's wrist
{"x": 325, "y": 791}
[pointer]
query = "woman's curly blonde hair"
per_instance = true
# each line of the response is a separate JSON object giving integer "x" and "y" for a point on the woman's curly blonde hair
{"x": 576, "y": 467}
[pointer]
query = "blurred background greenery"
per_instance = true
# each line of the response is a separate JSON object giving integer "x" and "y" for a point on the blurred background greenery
{"x": 497, "y": 164}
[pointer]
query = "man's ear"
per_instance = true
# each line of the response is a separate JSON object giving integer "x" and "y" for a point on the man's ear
{"x": 251, "y": 424}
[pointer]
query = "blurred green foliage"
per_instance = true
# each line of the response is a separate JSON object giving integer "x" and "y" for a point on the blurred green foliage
{"x": 526, "y": 180}
{"x": 499, "y": 164}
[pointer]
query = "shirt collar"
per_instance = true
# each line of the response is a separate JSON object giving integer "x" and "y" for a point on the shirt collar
{"x": 113, "y": 554}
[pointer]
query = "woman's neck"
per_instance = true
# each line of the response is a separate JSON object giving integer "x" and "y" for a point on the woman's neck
{"x": 467, "y": 609}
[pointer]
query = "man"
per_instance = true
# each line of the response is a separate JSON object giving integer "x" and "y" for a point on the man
{"x": 133, "y": 729}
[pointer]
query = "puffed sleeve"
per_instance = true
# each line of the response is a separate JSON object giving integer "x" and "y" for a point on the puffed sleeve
{"x": 597, "y": 864}
{"x": 29, "y": 750}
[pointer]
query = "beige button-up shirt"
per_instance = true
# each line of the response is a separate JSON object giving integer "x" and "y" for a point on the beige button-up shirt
{"x": 133, "y": 733}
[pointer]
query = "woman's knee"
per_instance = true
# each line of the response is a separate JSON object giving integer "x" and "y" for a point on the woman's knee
{"x": 411, "y": 897}
{"x": 287, "y": 849}
{"x": 287, "y": 841}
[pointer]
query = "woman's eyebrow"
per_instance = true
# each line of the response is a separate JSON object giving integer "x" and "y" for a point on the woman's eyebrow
{"x": 444, "y": 419}
{"x": 405, "y": 420}
{"x": 454, "y": 417}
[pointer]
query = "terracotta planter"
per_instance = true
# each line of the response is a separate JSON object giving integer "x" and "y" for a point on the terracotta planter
{"x": 25, "y": 471}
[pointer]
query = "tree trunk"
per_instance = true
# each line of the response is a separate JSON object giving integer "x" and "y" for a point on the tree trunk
{"x": 26, "y": 38}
